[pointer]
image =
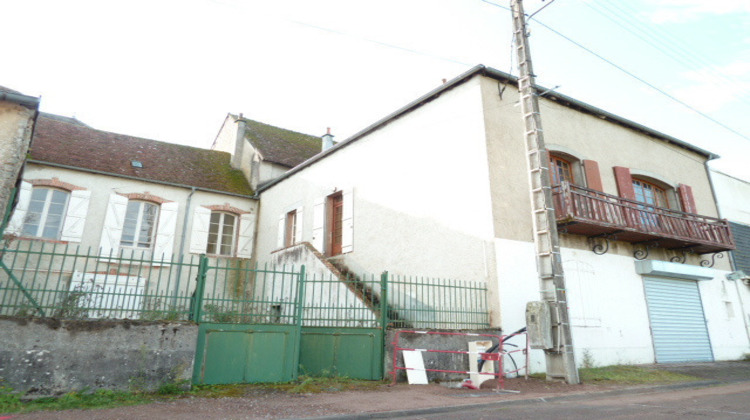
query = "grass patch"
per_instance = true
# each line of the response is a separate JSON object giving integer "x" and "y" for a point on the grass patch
{"x": 631, "y": 375}
{"x": 11, "y": 402}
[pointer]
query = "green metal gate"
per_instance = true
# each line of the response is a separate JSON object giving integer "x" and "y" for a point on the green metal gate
{"x": 343, "y": 326}
{"x": 250, "y": 323}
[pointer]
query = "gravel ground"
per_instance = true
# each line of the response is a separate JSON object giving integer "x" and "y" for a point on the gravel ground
{"x": 271, "y": 404}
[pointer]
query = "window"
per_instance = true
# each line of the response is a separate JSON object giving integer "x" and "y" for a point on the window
{"x": 140, "y": 223}
{"x": 44, "y": 217}
{"x": 50, "y": 209}
{"x": 222, "y": 230}
{"x": 560, "y": 170}
{"x": 290, "y": 228}
{"x": 335, "y": 219}
{"x": 222, "y": 234}
{"x": 648, "y": 193}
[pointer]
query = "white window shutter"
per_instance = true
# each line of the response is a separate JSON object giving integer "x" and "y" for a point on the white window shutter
{"x": 347, "y": 222}
{"x": 298, "y": 227}
{"x": 165, "y": 230}
{"x": 246, "y": 236}
{"x": 113, "y": 221}
{"x": 199, "y": 232}
{"x": 281, "y": 232}
{"x": 75, "y": 216}
{"x": 319, "y": 222}
{"x": 15, "y": 226}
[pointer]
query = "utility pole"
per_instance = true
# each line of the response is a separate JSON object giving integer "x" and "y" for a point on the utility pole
{"x": 560, "y": 358}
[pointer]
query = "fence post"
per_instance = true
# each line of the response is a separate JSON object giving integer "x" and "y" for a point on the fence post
{"x": 200, "y": 288}
{"x": 384, "y": 301}
{"x": 383, "y": 318}
{"x": 299, "y": 312}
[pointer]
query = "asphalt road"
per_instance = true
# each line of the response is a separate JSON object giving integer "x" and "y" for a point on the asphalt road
{"x": 730, "y": 401}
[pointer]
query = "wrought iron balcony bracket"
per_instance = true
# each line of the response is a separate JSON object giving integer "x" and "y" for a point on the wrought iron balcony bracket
{"x": 682, "y": 257}
{"x": 714, "y": 256}
{"x": 600, "y": 243}
{"x": 642, "y": 253}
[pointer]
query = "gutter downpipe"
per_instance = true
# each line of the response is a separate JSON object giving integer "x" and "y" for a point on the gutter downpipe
{"x": 731, "y": 256}
{"x": 182, "y": 246}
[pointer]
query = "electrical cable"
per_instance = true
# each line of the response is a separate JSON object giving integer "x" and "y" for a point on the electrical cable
{"x": 618, "y": 67}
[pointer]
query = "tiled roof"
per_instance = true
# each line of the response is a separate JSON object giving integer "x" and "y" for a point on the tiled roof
{"x": 59, "y": 142}
{"x": 284, "y": 147}
{"x": 70, "y": 120}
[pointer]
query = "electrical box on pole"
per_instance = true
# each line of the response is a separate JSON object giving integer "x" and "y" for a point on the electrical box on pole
{"x": 560, "y": 358}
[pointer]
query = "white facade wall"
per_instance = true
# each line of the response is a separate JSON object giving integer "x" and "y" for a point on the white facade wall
{"x": 733, "y": 196}
{"x": 424, "y": 178}
{"x": 607, "y": 305}
{"x": 101, "y": 186}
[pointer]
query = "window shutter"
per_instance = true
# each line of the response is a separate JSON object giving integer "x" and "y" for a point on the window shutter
{"x": 113, "y": 221}
{"x": 624, "y": 182}
{"x": 165, "y": 230}
{"x": 298, "y": 227}
{"x": 247, "y": 233}
{"x": 347, "y": 222}
{"x": 319, "y": 222}
{"x": 281, "y": 232}
{"x": 593, "y": 177}
{"x": 686, "y": 198}
{"x": 15, "y": 226}
{"x": 75, "y": 216}
{"x": 199, "y": 232}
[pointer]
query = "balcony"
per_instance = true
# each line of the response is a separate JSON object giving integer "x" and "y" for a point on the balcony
{"x": 582, "y": 211}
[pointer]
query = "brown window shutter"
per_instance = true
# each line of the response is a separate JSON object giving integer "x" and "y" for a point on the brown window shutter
{"x": 593, "y": 178}
{"x": 686, "y": 198}
{"x": 624, "y": 182}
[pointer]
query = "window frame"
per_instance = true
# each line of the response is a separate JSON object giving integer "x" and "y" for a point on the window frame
{"x": 660, "y": 194}
{"x": 290, "y": 228}
{"x": 220, "y": 233}
{"x": 44, "y": 214}
{"x": 134, "y": 244}
{"x": 554, "y": 159}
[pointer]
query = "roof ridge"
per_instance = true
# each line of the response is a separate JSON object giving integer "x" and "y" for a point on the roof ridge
{"x": 88, "y": 127}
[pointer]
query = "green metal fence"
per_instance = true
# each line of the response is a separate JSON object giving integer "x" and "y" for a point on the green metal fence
{"x": 422, "y": 302}
{"x": 46, "y": 279}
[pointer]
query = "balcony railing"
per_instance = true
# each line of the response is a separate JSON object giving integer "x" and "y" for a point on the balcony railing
{"x": 595, "y": 214}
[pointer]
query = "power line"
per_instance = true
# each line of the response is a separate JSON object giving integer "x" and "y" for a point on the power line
{"x": 690, "y": 107}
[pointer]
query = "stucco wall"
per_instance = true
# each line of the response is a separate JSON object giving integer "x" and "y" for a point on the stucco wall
{"x": 607, "y": 304}
{"x": 101, "y": 186}
{"x": 48, "y": 356}
{"x": 733, "y": 195}
{"x": 424, "y": 178}
{"x": 589, "y": 137}
{"x": 16, "y": 123}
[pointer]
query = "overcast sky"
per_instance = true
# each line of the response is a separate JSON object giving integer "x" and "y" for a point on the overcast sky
{"x": 172, "y": 70}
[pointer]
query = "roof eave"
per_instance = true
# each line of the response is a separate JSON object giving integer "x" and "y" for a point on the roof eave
{"x": 20, "y": 99}
{"x": 502, "y": 76}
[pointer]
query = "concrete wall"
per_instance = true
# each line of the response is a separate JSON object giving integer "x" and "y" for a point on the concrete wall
{"x": 325, "y": 288}
{"x": 435, "y": 360}
{"x": 16, "y": 125}
{"x": 420, "y": 187}
{"x": 49, "y": 357}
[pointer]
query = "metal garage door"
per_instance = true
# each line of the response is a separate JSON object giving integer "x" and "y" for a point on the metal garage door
{"x": 677, "y": 322}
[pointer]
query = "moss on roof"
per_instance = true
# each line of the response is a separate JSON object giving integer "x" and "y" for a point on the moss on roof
{"x": 58, "y": 141}
{"x": 281, "y": 146}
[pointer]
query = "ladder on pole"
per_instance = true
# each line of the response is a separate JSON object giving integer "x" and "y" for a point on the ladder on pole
{"x": 560, "y": 359}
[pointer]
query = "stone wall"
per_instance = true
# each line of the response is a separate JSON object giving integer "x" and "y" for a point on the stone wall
{"x": 16, "y": 124}
{"x": 46, "y": 356}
